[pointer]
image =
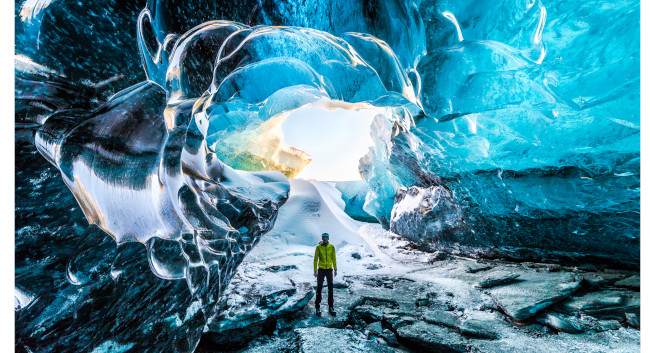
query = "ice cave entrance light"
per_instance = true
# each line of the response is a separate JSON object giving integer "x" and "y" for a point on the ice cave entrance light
{"x": 323, "y": 140}
{"x": 334, "y": 139}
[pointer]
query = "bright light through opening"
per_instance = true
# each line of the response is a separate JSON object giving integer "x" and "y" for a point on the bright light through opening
{"x": 336, "y": 140}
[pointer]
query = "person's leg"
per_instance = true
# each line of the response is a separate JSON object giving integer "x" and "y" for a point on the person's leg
{"x": 319, "y": 286}
{"x": 330, "y": 288}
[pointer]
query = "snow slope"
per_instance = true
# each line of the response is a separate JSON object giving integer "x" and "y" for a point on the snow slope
{"x": 315, "y": 207}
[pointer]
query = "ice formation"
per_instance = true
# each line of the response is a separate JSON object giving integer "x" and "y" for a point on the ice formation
{"x": 500, "y": 130}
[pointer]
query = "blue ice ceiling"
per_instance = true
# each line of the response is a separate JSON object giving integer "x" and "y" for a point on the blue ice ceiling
{"x": 526, "y": 113}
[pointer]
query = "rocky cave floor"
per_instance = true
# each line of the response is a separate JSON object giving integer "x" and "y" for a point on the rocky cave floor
{"x": 440, "y": 303}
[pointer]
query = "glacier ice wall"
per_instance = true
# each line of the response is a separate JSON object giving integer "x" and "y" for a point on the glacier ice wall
{"x": 533, "y": 125}
{"x": 502, "y": 129}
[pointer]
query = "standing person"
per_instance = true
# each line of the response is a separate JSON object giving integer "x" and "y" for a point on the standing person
{"x": 324, "y": 261}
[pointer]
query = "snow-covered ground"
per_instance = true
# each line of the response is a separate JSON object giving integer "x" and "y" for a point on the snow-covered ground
{"x": 390, "y": 296}
{"x": 316, "y": 207}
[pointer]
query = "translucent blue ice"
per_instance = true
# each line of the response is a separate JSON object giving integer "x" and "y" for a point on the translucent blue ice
{"x": 515, "y": 123}
{"x": 533, "y": 122}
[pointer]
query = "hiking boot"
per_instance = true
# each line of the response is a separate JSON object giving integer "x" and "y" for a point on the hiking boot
{"x": 317, "y": 307}
{"x": 332, "y": 312}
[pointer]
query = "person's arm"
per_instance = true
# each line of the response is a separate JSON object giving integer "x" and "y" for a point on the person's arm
{"x": 334, "y": 259}
{"x": 316, "y": 260}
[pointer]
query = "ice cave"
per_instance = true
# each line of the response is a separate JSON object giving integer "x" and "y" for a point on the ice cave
{"x": 475, "y": 163}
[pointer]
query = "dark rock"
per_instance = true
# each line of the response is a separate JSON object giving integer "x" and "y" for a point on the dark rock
{"x": 324, "y": 339}
{"x": 425, "y": 337}
{"x": 632, "y": 282}
{"x": 373, "y": 266}
{"x": 374, "y": 306}
{"x": 587, "y": 267}
{"x": 379, "y": 301}
{"x": 356, "y": 255}
{"x": 374, "y": 329}
{"x": 442, "y": 318}
{"x": 438, "y": 256}
{"x": 425, "y": 215}
{"x": 594, "y": 301}
{"x": 420, "y": 302}
{"x": 606, "y": 325}
{"x": 477, "y": 267}
{"x": 594, "y": 280}
{"x": 280, "y": 268}
{"x": 344, "y": 302}
{"x": 606, "y": 304}
{"x": 380, "y": 340}
{"x": 543, "y": 266}
{"x": 340, "y": 285}
{"x": 238, "y": 338}
{"x": 255, "y": 311}
{"x": 287, "y": 342}
{"x": 602, "y": 278}
{"x": 390, "y": 338}
{"x": 536, "y": 292}
{"x": 577, "y": 323}
{"x": 365, "y": 314}
{"x": 561, "y": 323}
{"x": 632, "y": 320}
{"x": 497, "y": 278}
{"x": 276, "y": 299}
{"x": 481, "y": 330}
{"x": 396, "y": 320}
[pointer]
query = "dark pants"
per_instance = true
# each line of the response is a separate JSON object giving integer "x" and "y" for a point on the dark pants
{"x": 330, "y": 286}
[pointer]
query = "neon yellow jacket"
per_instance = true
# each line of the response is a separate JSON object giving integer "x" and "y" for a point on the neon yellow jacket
{"x": 325, "y": 257}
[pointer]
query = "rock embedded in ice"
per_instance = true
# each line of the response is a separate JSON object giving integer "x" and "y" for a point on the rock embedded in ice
{"x": 255, "y": 301}
{"x": 478, "y": 267}
{"x": 632, "y": 282}
{"x": 280, "y": 268}
{"x": 345, "y": 303}
{"x": 562, "y": 323}
{"x": 603, "y": 304}
{"x": 365, "y": 314}
{"x": 324, "y": 339}
{"x": 497, "y": 278}
{"x": 432, "y": 338}
{"x": 577, "y": 323}
{"x": 632, "y": 320}
{"x": 477, "y": 329}
{"x": 442, "y": 318}
{"x": 534, "y": 292}
{"x": 376, "y": 330}
{"x": 604, "y": 278}
{"x": 426, "y": 215}
{"x": 395, "y": 320}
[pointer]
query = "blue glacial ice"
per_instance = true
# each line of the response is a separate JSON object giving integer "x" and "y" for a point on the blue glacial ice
{"x": 507, "y": 129}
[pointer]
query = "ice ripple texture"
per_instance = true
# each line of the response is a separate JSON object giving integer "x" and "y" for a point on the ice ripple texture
{"x": 517, "y": 123}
